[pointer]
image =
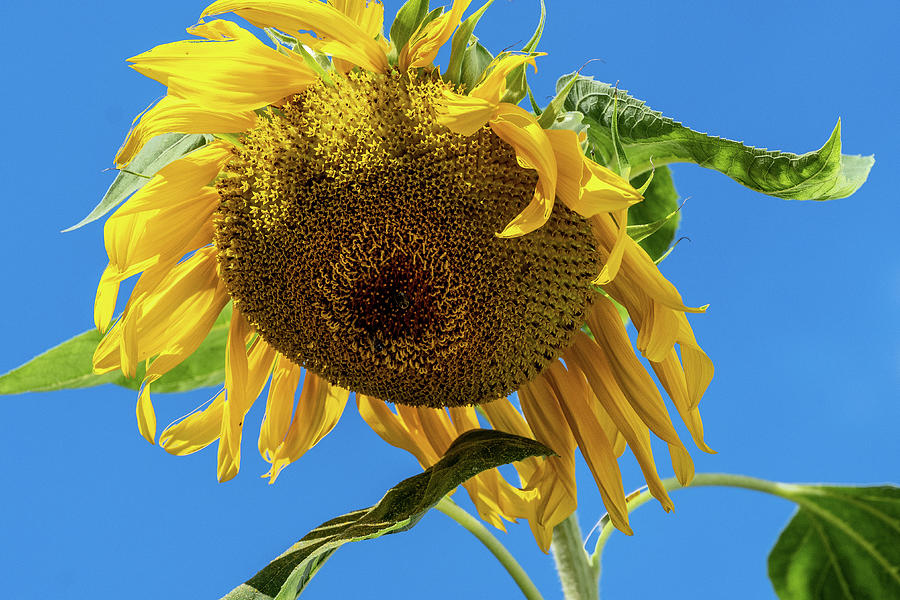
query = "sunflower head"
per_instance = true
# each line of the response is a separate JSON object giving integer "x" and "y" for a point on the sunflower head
{"x": 379, "y": 227}
{"x": 356, "y": 234}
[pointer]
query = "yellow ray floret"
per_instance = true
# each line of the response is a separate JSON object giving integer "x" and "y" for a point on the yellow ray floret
{"x": 176, "y": 115}
{"x": 337, "y": 33}
{"x": 165, "y": 324}
{"x": 232, "y": 71}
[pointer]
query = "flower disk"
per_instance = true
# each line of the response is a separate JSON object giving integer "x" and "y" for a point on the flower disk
{"x": 357, "y": 234}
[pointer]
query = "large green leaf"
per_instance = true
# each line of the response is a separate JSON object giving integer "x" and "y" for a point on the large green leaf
{"x": 843, "y": 544}
{"x": 649, "y": 138}
{"x": 654, "y": 221}
{"x": 68, "y": 366}
{"x": 156, "y": 153}
{"x": 401, "y": 508}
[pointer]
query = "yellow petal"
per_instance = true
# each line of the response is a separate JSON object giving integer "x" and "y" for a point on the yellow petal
{"x": 520, "y": 129}
{"x": 146, "y": 416}
{"x": 698, "y": 368}
{"x": 464, "y": 115}
{"x": 279, "y": 406}
{"x": 246, "y": 373}
{"x": 587, "y": 358}
{"x": 681, "y": 463}
{"x": 670, "y": 374}
{"x": 318, "y": 411}
{"x": 195, "y": 431}
{"x": 176, "y": 115}
{"x": 231, "y": 72}
{"x": 611, "y": 230}
{"x": 425, "y": 42}
{"x": 493, "y": 85}
{"x": 643, "y": 395}
{"x": 345, "y": 36}
{"x": 105, "y": 301}
{"x": 389, "y": 426}
{"x": 170, "y": 320}
{"x": 592, "y": 439}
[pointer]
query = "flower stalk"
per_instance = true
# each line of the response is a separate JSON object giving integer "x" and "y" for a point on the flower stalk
{"x": 578, "y": 577}
{"x": 476, "y": 528}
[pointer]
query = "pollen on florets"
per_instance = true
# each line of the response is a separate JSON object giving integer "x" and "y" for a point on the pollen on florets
{"x": 357, "y": 235}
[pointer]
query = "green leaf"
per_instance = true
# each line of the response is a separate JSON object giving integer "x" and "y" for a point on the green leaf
{"x": 647, "y": 135}
{"x": 516, "y": 81}
{"x": 408, "y": 19}
{"x": 460, "y": 44}
{"x": 156, "y": 153}
{"x": 69, "y": 366}
{"x": 401, "y": 508}
{"x": 653, "y": 222}
{"x": 842, "y": 544}
{"x": 475, "y": 60}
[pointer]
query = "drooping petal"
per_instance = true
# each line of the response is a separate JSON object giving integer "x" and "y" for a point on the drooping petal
{"x": 424, "y": 44}
{"x": 246, "y": 373}
{"x": 319, "y": 409}
{"x": 587, "y": 358}
{"x": 231, "y": 72}
{"x": 633, "y": 379}
{"x": 346, "y": 38}
{"x": 518, "y": 128}
{"x": 195, "y": 431}
{"x": 177, "y": 115}
{"x": 592, "y": 439}
{"x": 170, "y": 320}
{"x": 389, "y": 426}
{"x": 279, "y": 406}
{"x": 612, "y": 231}
{"x": 556, "y": 480}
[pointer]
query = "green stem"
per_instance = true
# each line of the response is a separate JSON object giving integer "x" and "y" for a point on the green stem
{"x": 475, "y": 527}
{"x": 700, "y": 480}
{"x": 579, "y": 579}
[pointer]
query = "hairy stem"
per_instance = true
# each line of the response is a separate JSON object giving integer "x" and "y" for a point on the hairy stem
{"x": 578, "y": 577}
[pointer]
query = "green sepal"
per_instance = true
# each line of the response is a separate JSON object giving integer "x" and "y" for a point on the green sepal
{"x": 475, "y": 60}
{"x": 650, "y": 138}
{"x": 460, "y": 44}
{"x": 408, "y": 19}
{"x": 549, "y": 114}
{"x": 70, "y": 366}
{"x": 516, "y": 84}
{"x": 399, "y": 510}
{"x": 156, "y": 154}
{"x": 842, "y": 544}
{"x": 622, "y": 164}
{"x": 653, "y": 222}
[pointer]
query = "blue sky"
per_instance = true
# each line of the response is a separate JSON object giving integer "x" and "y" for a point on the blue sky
{"x": 803, "y": 320}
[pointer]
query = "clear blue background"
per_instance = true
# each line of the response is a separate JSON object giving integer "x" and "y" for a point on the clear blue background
{"x": 803, "y": 323}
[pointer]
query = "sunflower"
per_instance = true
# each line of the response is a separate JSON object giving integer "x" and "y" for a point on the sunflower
{"x": 379, "y": 228}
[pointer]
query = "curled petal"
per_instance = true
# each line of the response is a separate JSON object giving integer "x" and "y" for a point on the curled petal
{"x": 520, "y": 129}
{"x": 346, "y": 37}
